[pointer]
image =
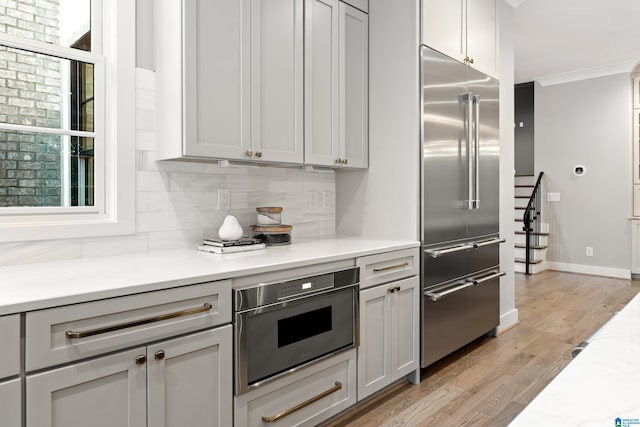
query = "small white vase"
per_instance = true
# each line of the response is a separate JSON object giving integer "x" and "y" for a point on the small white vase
{"x": 230, "y": 229}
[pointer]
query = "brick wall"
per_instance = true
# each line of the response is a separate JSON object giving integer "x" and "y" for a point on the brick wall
{"x": 30, "y": 164}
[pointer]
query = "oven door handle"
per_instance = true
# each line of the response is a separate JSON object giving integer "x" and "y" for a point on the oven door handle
{"x": 435, "y": 296}
{"x": 281, "y": 415}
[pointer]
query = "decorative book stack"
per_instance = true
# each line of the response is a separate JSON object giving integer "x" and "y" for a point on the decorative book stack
{"x": 220, "y": 246}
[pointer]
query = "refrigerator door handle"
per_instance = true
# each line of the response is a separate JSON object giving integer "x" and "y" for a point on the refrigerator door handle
{"x": 493, "y": 275}
{"x": 435, "y": 253}
{"x": 495, "y": 241}
{"x": 435, "y": 296}
{"x": 476, "y": 151}
{"x": 467, "y": 100}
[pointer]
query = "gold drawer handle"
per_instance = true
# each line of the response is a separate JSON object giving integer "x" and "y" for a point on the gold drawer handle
{"x": 391, "y": 267}
{"x": 281, "y": 415}
{"x": 97, "y": 331}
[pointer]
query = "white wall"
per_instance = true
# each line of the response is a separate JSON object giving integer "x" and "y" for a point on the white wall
{"x": 384, "y": 201}
{"x": 508, "y": 311}
{"x": 586, "y": 123}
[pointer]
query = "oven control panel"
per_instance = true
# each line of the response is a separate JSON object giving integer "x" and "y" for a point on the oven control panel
{"x": 298, "y": 287}
{"x": 263, "y": 294}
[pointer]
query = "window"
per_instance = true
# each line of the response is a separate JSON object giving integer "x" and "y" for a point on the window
{"x": 67, "y": 72}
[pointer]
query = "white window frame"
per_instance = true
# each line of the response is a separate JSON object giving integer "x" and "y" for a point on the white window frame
{"x": 113, "y": 27}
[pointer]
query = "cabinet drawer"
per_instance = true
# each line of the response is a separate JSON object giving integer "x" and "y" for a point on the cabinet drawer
{"x": 388, "y": 266}
{"x": 332, "y": 382}
{"x": 10, "y": 349}
{"x": 74, "y": 332}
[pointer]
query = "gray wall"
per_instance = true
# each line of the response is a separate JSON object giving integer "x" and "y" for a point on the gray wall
{"x": 586, "y": 123}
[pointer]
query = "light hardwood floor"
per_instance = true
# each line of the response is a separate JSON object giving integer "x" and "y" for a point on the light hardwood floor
{"x": 488, "y": 382}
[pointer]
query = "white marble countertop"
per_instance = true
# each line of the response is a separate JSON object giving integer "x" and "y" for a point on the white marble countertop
{"x": 36, "y": 286}
{"x": 600, "y": 385}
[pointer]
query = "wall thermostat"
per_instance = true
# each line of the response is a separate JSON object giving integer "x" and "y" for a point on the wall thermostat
{"x": 579, "y": 170}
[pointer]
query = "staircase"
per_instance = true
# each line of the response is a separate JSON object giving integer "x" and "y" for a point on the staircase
{"x": 524, "y": 186}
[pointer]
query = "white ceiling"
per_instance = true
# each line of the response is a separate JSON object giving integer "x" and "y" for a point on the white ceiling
{"x": 556, "y": 37}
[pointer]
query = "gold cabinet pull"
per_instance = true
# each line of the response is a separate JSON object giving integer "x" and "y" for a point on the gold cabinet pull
{"x": 394, "y": 289}
{"x": 249, "y": 153}
{"x": 97, "y": 331}
{"x": 345, "y": 161}
{"x": 471, "y": 60}
{"x": 141, "y": 359}
{"x": 338, "y": 160}
{"x": 391, "y": 267}
{"x": 159, "y": 355}
{"x": 258, "y": 153}
{"x": 281, "y": 415}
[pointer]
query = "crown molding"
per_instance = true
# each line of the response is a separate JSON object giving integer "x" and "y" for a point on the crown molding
{"x": 588, "y": 73}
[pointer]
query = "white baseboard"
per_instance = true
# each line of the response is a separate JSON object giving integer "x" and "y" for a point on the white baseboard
{"x": 508, "y": 320}
{"x": 619, "y": 273}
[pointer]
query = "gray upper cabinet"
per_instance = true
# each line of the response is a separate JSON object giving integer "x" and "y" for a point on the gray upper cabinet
{"x": 336, "y": 84}
{"x": 277, "y": 81}
{"x": 229, "y": 80}
{"x": 465, "y": 30}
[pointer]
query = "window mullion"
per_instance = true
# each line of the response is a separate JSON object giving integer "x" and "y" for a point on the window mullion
{"x": 40, "y": 129}
{"x": 43, "y": 48}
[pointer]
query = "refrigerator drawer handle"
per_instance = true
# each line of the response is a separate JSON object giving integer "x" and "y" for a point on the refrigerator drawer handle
{"x": 477, "y": 245}
{"x": 435, "y": 253}
{"x": 495, "y": 275}
{"x": 435, "y": 296}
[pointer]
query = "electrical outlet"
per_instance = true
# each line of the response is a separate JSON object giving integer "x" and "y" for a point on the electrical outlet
{"x": 553, "y": 197}
{"x": 326, "y": 199}
{"x": 589, "y": 251}
{"x": 224, "y": 199}
{"x": 314, "y": 200}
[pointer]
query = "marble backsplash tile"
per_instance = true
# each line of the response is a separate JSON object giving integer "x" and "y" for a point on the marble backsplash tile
{"x": 176, "y": 202}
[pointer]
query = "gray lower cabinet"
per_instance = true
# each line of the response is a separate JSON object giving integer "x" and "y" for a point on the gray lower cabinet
{"x": 105, "y": 392}
{"x": 10, "y": 403}
{"x": 161, "y": 358}
{"x": 180, "y": 382}
{"x": 389, "y": 334}
{"x": 305, "y": 397}
{"x": 10, "y": 384}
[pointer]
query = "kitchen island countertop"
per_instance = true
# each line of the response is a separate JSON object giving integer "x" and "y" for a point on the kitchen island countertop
{"x": 36, "y": 286}
{"x": 601, "y": 386}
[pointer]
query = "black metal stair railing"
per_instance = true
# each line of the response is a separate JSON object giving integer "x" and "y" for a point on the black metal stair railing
{"x": 532, "y": 223}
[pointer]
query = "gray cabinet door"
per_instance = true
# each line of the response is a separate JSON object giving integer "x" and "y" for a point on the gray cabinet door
{"x": 216, "y": 115}
{"x": 277, "y": 80}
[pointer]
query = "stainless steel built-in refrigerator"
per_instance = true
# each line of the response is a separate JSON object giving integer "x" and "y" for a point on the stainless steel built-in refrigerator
{"x": 460, "y": 177}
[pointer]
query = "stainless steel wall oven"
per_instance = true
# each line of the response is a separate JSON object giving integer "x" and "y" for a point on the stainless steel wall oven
{"x": 279, "y": 327}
